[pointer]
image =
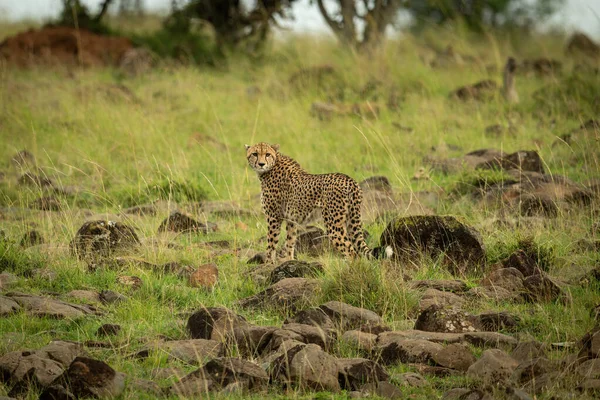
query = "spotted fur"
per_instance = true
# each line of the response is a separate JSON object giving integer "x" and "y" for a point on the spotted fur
{"x": 289, "y": 193}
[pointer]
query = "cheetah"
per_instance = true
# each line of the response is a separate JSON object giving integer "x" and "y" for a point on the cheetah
{"x": 289, "y": 193}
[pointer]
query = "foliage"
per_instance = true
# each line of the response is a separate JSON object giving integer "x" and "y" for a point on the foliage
{"x": 77, "y": 15}
{"x": 166, "y": 188}
{"x": 478, "y": 14}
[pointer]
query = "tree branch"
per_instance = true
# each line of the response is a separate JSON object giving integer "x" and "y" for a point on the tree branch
{"x": 103, "y": 10}
{"x": 335, "y": 26}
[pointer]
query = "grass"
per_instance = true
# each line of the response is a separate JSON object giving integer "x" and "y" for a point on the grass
{"x": 109, "y": 151}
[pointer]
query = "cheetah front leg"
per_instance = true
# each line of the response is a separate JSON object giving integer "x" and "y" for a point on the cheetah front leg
{"x": 290, "y": 243}
{"x": 272, "y": 238}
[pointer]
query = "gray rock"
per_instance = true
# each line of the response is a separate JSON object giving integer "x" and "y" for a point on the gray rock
{"x": 540, "y": 288}
{"x": 461, "y": 245}
{"x": 179, "y": 222}
{"x": 348, "y": 317}
{"x": 312, "y": 368}
{"x": 324, "y": 338}
{"x": 295, "y": 269}
{"x": 454, "y": 356}
{"x": 112, "y": 297}
{"x": 86, "y": 295}
{"x": 494, "y": 366}
{"x": 355, "y": 372}
{"x": 47, "y": 307}
{"x": 108, "y": 330}
{"x": 443, "y": 285}
{"x": 382, "y": 389}
{"x": 363, "y": 341}
{"x": 225, "y": 371}
{"x": 250, "y": 340}
{"x": 311, "y": 316}
{"x": 102, "y": 238}
{"x": 445, "y": 319}
{"x": 526, "y": 351}
{"x": 214, "y": 323}
{"x": 410, "y": 379}
{"x": 192, "y": 351}
{"x": 288, "y": 294}
{"x": 87, "y": 377}
{"x": 406, "y": 350}
{"x": 589, "y": 369}
{"x": 494, "y": 321}
{"x": 8, "y": 306}
{"x": 434, "y": 297}
{"x": 532, "y": 369}
{"x": 510, "y": 279}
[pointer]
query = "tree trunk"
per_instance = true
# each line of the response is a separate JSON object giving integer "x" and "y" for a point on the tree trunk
{"x": 103, "y": 10}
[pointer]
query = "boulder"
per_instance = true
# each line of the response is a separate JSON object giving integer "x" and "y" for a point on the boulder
{"x": 494, "y": 366}
{"x": 382, "y": 389}
{"x": 363, "y": 341}
{"x": 355, "y": 372}
{"x": 8, "y": 306}
{"x": 526, "y": 351}
{"x": 434, "y": 297}
{"x": 250, "y": 340}
{"x": 460, "y": 245}
{"x": 443, "y": 285}
{"x": 541, "y": 288}
{"x": 314, "y": 369}
{"x": 532, "y": 369}
{"x": 225, "y": 371}
{"x": 289, "y": 293}
{"x": 349, "y": 317}
{"x": 87, "y": 377}
{"x": 324, "y": 338}
{"x": 510, "y": 279}
{"x": 312, "y": 316}
{"x": 495, "y": 321}
{"x": 102, "y": 238}
{"x": 445, "y": 319}
{"x": 214, "y": 323}
{"x": 47, "y": 307}
{"x": 179, "y": 222}
{"x": 454, "y": 356}
{"x": 192, "y": 351}
{"x": 295, "y": 269}
{"x": 406, "y": 350}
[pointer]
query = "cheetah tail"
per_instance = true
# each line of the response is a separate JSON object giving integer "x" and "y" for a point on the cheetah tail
{"x": 356, "y": 232}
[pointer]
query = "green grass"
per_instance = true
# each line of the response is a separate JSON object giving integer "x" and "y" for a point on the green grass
{"x": 110, "y": 151}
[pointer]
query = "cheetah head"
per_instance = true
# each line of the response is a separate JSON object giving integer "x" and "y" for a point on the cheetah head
{"x": 262, "y": 156}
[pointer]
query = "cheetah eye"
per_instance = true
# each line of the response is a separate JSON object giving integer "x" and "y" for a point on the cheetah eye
{"x": 268, "y": 155}
{"x": 254, "y": 154}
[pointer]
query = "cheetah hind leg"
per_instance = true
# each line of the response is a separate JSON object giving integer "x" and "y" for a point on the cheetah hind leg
{"x": 290, "y": 243}
{"x": 338, "y": 234}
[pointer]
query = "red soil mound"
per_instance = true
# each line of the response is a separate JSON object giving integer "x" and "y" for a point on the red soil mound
{"x": 63, "y": 45}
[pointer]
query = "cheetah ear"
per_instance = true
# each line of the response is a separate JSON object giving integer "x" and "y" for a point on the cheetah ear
{"x": 247, "y": 146}
{"x": 275, "y": 147}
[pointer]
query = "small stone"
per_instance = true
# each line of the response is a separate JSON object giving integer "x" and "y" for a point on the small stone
{"x": 111, "y": 297}
{"x": 205, "y": 276}
{"x": 494, "y": 366}
{"x": 454, "y": 356}
{"x": 133, "y": 282}
{"x": 108, "y": 330}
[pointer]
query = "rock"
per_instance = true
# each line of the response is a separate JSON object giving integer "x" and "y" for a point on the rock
{"x": 225, "y": 371}
{"x": 510, "y": 279}
{"x": 108, "y": 330}
{"x": 406, "y": 350}
{"x": 324, "y": 338}
{"x": 193, "y": 351}
{"x": 31, "y": 179}
{"x": 141, "y": 210}
{"x": 466, "y": 394}
{"x": 443, "y": 285}
{"x": 379, "y": 183}
{"x": 543, "y": 382}
{"x": 314, "y": 369}
{"x": 494, "y": 366}
{"x": 258, "y": 258}
{"x": 312, "y": 242}
{"x": 477, "y": 91}
{"x": 590, "y": 345}
{"x": 411, "y": 379}
{"x": 205, "y": 276}
{"x": 520, "y": 261}
{"x": 46, "y": 203}
{"x": 214, "y": 323}
{"x": 495, "y": 321}
{"x": 145, "y": 386}
{"x": 382, "y": 389}
{"x": 62, "y": 352}
{"x": 289, "y": 293}
{"x": 540, "y": 288}
{"x": 167, "y": 373}
{"x": 434, "y": 297}
{"x": 112, "y": 297}
{"x": 532, "y": 369}
{"x": 102, "y": 238}
{"x": 454, "y": 356}
{"x": 355, "y": 372}
{"x": 132, "y": 282}
{"x": 495, "y": 293}
{"x": 8, "y": 306}
{"x": 527, "y": 351}
{"x": 490, "y": 339}
{"x": 179, "y": 222}
{"x": 195, "y": 384}
{"x": 24, "y": 160}
{"x": 516, "y": 394}
{"x": 295, "y": 269}
{"x": 7, "y": 279}
{"x": 31, "y": 238}
{"x": 581, "y": 44}
{"x": 436, "y": 235}
{"x": 348, "y": 317}
{"x": 251, "y": 340}
{"x": 525, "y": 160}
{"x": 87, "y": 377}
{"x": 277, "y": 357}
{"x": 29, "y": 367}
{"x": 445, "y": 319}
{"x": 281, "y": 336}
{"x": 47, "y": 307}
{"x": 360, "y": 340}
{"x": 85, "y": 295}
{"x": 56, "y": 392}
{"x": 589, "y": 369}
{"x": 590, "y": 386}
{"x": 312, "y": 316}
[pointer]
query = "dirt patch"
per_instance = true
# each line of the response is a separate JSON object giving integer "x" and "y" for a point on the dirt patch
{"x": 63, "y": 45}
